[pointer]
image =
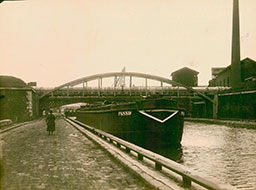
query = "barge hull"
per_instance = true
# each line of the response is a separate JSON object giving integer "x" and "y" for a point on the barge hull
{"x": 146, "y": 128}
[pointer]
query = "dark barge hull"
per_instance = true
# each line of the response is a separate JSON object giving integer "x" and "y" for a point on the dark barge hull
{"x": 149, "y": 128}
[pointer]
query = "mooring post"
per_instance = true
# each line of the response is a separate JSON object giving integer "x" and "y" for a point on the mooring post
{"x": 140, "y": 157}
{"x": 158, "y": 166}
{"x": 186, "y": 181}
{"x": 127, "y": 150}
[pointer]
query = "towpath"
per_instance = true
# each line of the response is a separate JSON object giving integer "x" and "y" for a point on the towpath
{"x": 31, "y": 159}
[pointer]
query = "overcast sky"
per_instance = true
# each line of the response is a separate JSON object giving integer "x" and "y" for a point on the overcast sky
{"x": 56, "y": 41}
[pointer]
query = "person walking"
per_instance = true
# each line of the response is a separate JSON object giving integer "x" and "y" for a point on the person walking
{"x": 50, "y": 120}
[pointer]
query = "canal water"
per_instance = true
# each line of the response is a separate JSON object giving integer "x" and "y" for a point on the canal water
{"x": 224, "y": 153}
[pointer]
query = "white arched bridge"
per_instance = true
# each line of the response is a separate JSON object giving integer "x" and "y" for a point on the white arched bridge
{"x": 79, "y": 91}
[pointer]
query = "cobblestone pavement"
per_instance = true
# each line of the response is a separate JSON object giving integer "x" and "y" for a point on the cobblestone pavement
{"x": 66, "y": 160}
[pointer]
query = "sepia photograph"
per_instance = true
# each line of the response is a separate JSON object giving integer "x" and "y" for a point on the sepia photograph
{"x": 127, "y": 95}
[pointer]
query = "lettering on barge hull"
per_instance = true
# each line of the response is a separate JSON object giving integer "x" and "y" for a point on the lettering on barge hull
{"x": 124, "y": 113}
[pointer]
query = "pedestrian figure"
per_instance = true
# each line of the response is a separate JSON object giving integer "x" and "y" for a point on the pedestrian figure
{"x": 50, "y": 120}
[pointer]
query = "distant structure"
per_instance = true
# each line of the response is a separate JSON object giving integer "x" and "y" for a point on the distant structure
{"x": 120, "y": 81}
{"x": 235, "y": 72}
{"x": 221, "y": 76}
{"x": 185, "y": 76}
{"x": 239, "y": 101}
{"x": 239, "y": 73}
{"x": 32, "y": 84}
{"x": 17, "y": 100}
{"x": 216, "y": 71}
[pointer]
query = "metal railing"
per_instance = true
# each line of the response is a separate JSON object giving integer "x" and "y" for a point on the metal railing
{"x": 187, "y": 176}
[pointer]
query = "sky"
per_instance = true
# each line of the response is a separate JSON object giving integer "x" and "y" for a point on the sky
{"x": 53, "y": 42}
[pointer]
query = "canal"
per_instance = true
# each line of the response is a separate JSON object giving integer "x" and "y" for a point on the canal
{"x": 223, "y": 153}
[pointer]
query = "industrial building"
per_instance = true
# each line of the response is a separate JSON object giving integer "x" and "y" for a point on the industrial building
{"x": 185, "y": 76}
{"x": 221, "y": 76}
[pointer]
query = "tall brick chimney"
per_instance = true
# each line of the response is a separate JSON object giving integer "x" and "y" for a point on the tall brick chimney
{"x": 235, "y": 78}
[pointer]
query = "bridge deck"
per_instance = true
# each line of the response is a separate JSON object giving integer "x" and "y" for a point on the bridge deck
{"x": 66, "y": 160}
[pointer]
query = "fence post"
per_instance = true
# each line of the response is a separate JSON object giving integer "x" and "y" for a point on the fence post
{"x": 158, "y": 166}
{"x": 186, "y": 181}
{"x": 140, "y": 157}
{"x": 127, "y": 150}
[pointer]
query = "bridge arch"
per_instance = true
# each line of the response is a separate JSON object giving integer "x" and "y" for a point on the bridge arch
{"x": 126, "y": 74}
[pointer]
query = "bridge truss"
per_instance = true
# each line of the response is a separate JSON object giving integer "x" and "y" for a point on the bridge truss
{"x": 71, "y": 93}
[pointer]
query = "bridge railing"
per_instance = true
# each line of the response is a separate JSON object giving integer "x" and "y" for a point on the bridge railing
{"x": 113, "y": 92}
{"x": 187, "y": 176}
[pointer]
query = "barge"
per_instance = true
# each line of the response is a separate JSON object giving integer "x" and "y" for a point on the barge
{"x": 147, "y": 123}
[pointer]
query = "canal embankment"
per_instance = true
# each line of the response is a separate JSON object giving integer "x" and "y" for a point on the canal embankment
{"x": 32, "y": 159}
{"x": 163, "y": 172}
{"x": 249, "y": 124}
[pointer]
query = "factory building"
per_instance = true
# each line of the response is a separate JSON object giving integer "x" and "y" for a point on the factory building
{"x": 221, "y": 76}
{"x": 185, "y": 76}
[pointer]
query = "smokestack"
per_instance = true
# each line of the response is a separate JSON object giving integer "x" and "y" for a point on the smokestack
{"x": 235, "y": 78}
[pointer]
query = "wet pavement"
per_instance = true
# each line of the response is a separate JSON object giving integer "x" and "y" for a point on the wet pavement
{"x": 33, "y": 160}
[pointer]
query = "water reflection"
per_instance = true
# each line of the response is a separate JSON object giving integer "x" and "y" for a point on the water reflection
{"x": 224, "y": 153}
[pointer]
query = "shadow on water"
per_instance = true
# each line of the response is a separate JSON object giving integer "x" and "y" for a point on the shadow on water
{"x": 170, "y": 151}
{"x": 173, "y": 153}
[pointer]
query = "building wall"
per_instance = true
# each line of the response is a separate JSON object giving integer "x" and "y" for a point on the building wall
{"x": 248, "y": 69}
{"x": 237, "y": 106}
{"x": 186, "y": 77}
{"x": 202, "y": 109}
{"x": 223, "y": 79}
{"x": 18, "y": 104}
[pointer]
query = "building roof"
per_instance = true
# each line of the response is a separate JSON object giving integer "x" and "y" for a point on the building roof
{"x": 184, "y": 69}
{"x": 217, "y": 70}
{"x": 225, "y": 69}
{"x": 247, "y": 59}
{"x": 9, "y": 81}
